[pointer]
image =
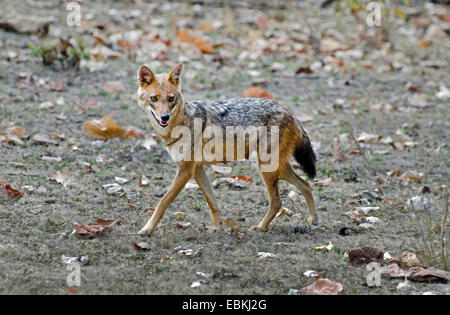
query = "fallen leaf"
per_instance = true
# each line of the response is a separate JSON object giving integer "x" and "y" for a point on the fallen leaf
{"x": 148, "y": 142}
{"x": 114, "y": 189}
{"x": 324, "y": 248}
{"x": 71, "y": 290}
{"x": 42, "y": 139}
{"x": 366, "y": 226}
{"x": 368, "y": 137}
{"x": 243, "y": 178}
{"x": 323, "y": 287}
{"x": 364, "y": 256}
{"x": 256, "y": 92}
{"x": 224, "y": 273}
{"x": 314, "y": 274}
{"x": 408, "y": 259}
{"x": 181, "y": 250}
{"x": 64, "y": 177}
{"x": 411, "y": 176}
{"x": 420, "y": 273}
{"x": 324, "y": 182}
{"x": 284, "y": 211}
{"x": 204, "y": 46}
{"x": 337, "y": 151}
{"x": 83, "y": 260}
{"x": 225, "y": 170}
{"x": 329, "y": 45}
{"x": 143, "y": 181}
{"x": 103, "y": 129}
{"x": 266, "y": 255}
{"x": 27, "y": 24}
{"x": 444, "y": 93}
{"x": 92, "y": 230}
{"x": 393, "y": 271}
{"x": 141, "y": 247}
{"x": 8, "y": 192}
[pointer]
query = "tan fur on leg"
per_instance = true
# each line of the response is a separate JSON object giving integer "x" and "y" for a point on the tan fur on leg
{"x": 202, "y": 181}
{"x": 184, "y": 173}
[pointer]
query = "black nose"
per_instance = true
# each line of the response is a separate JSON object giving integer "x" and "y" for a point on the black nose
{"x": 165, "y": 117}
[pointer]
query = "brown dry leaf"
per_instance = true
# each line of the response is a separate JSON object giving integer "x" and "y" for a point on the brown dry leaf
{"x": 204, "y": 46}
{"x": 255, "y": 91}
{"x": 306, "y": 70}
{"x": 13, "y": 134}
{"x": 141, "y": 247}
{"x": 92, "y": 230}
{"x": 364, "y": 256}
{"x": 17, "y": 131}
{"x": 228, "y": 222}
{"x": 324, "y": 182}
{"x": 113, "y": 86}
{"x": 420, "y": 273}
{"x": 103, "y": 129}
{"x": 337, "y": 151}
{"x": 323, "y": 287}
{"x": 64, "y": 177}
{"x": 133, "y": 132}
{"x": 411, "y": 176}
{"x": 408, "y": 259}
{"x": 392, "y": 270}
{"x": 243, "y": 178}
{"x": 7, "y": 191}
{"x": 225, "y": 170}
{"x": 71, "y": 290}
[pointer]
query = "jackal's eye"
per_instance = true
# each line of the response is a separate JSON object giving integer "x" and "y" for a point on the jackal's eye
{"x": 154, "y": 98}
{"x": 171, "y": 99}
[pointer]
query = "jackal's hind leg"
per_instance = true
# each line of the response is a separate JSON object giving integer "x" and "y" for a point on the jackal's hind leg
{"x": 203, "y": 182}
{"x": 271, "y": 181}
{"x": 291, "y": 177}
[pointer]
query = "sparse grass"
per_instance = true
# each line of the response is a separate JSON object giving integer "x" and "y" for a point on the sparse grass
{"x": 32, "y": 244}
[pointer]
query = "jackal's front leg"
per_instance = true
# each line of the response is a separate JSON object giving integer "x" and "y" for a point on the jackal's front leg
{"x": 205, "y": 186}
{"x": 184, "y": 173}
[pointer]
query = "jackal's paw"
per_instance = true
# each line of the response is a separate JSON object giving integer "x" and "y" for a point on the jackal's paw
{"x": 313, "y": 220}
{"x": 257, "y": 228}
{"x": 145, "y": 231}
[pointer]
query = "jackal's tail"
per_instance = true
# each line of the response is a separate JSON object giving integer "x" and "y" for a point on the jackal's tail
{"x": 305, "y": 156}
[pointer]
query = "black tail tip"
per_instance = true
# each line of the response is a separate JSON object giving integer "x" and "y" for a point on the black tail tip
{"x": 305, "y": 156}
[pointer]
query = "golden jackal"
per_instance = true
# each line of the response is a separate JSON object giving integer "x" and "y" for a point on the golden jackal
{"x": 175, "y": 122}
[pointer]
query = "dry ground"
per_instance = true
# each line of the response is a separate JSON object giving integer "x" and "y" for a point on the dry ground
{"x": 37, "y": 229}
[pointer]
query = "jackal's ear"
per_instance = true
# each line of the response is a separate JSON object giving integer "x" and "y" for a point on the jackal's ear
{"x": 174, "y": 75}
{"x": 145, "y": 76}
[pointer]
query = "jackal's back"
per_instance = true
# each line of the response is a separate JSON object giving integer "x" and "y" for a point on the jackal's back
{"x": 238, "y": 112}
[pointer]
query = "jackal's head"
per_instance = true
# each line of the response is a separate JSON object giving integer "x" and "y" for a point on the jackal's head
{"x": 160, "y": 96}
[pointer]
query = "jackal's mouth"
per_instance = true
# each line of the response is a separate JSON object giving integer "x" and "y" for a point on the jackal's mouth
{"x": 160, "y": 122}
